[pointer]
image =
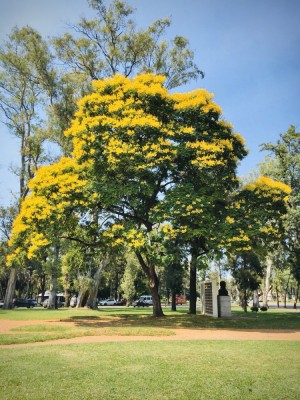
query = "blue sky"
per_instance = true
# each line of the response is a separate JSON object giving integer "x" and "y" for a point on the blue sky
{"x": 249, "y": 51}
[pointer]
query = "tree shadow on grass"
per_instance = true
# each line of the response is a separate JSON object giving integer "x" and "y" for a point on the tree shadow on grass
{"x": 239, "y": 320}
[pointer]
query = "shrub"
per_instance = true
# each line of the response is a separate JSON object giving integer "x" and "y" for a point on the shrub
{"x": 263, "y": 308}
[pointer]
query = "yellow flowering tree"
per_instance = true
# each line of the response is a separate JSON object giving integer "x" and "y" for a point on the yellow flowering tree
{"x": 45, "y": 214}
{"x": 208, "y": 151}
{"x": 143, "y": 160}
{"x": 147, "y": 149}
{"x": 255, "y": 228}
{"x": 256, "y": 220}
{"x": 53, "y": 193}
{"x": 61, "y": 207}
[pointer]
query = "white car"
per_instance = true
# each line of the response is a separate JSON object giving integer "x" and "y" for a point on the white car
{"x": 108, "y": 302}
{"x": 143, "y": 301}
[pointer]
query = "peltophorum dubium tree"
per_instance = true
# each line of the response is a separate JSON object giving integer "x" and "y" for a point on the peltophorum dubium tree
{"x": 38, "y": 98}
{"x": 149, "y": 161}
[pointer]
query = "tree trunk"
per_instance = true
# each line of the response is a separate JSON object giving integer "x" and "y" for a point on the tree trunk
{"x": 245, "y": 301}
{"x": 92, "y": 299}
{"x": 81, "y": 296}
{"x": 154, "y": 286}
{"x": 238, "y": 295}
{"x": 286, "y": 290}
{"x": 173, "y": 307}
{"x": 255, "y": 299}
{"x": 193, "y": 285}
{"x": 157, "y": 309}
{"x": 67, "y": 296}
{"x": 153, "y": 281}
{"x": 267, "y": 281}
{"x": 52, "y": 302}
{"x": 284, "y": 299}
{"x": 10, "y": 290}
{"x": 67, "y": 293}
{"x": 43, "y": 286}
{"x": 277, "y": 296}
{"x": 296, "y": 296}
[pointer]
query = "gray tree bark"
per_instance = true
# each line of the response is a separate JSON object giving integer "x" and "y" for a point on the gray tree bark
{"x": 10, "y": 290}
{"x": 268, "y": 271}
{"x": 92, "y": 299}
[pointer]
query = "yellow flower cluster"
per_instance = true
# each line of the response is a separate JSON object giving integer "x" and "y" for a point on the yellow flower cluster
{"x": 209, "y": 154}
{"x": 53, "y": 190}
{"x": 269, "y": 190}
{"x": 230, "y": 220}
{"x": 147, "y": 84}
{"x": 268, "y": 229}
{"x": 118, "y": 234}
{"x": 269, "y": 185}
{"x": 197, "y": 99}
{"x": 238, "y": 243}
{"x": 171, "y": 232}
{"x": 37, "y": 241}
{"x": 134, "y": 124}
{"x": 118, "y": 117}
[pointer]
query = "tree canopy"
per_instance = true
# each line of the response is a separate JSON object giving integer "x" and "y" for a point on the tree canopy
{"x": 41, "y": 80}
{"x": 137, "y": 150}
{"x": 284, "y": 165}
{"x": 112, "y": 44}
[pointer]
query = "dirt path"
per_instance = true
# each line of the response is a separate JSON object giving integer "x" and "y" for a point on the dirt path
{"x": 178, "y": 334}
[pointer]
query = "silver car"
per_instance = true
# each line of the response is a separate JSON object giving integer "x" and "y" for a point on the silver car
{"x": 108, "y": 302}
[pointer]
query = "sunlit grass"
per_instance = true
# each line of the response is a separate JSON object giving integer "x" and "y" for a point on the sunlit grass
{"x": 145, "y": 370}
{"x": 43, "y": 332}
{"x": 108, "y": 317}
{"x": 159, "y": 370}
{"x": 40, "y": 328}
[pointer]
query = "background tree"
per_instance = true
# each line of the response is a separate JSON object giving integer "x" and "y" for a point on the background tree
{"x": 133, "y": 282}
{"x": 7, "y": 216}
{"x": 247, "y": 272}
{"x": 26, "y": 81}
{"x": 256, "y": 221}
{"x": 26, "y": 84}
{"x": 111, "y": 44}
{"x": 284, "y": 165}
{"x": 174, "y": 272}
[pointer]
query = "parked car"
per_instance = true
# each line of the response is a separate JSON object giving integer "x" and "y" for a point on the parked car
{"x": 1, "y": 303}
{"x": 139, "y": 303}
{"x": 180, "y": 299}
{"x": 108, "y": 302}
{"x": 121, "y": 302}
{"x": 143, "y": 301}
{"x": 28, "y": 303}
{"x": 59, "y": 303}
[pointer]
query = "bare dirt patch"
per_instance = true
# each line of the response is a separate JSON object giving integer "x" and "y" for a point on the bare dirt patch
{"x": 178, "y": 334}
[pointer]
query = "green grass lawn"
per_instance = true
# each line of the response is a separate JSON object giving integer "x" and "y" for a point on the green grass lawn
{"x": 46, "y": 332}
{"x": 160, "y": 370}
{"x": 129, "y": 316}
